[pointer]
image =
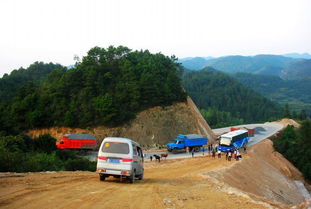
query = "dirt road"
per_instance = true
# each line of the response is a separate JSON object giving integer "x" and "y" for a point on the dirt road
{"x": 169, "y": 184}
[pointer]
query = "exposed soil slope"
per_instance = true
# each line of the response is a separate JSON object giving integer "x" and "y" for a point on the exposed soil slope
{"x": 265, "y": 173}
{"x": 157, "y": 125}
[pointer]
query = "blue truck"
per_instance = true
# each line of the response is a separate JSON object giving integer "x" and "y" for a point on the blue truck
{"x": 193, "y": 141}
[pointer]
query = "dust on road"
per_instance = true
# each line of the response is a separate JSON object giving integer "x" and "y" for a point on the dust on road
{"x": 169, "y": 184}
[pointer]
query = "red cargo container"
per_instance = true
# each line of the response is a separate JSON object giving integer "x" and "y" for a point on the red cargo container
{"x": 251, "y": 131}
{"x": 233, "y": 129}
{"x": 77, "y": 141}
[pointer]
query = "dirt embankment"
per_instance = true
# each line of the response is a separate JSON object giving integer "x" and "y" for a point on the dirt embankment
{"x": 266, "y": 173}
{"x": 157, "y": 125}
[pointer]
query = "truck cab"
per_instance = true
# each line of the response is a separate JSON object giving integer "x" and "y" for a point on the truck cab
{"x": 178, "y": 144}
{"x": 193, "y": 141}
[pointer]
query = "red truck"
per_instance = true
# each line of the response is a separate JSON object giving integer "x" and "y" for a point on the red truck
{"x": 77, "y": 141}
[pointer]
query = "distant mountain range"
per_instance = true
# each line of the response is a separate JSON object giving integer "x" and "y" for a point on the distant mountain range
{"x": 287, "y": 67}
{"x": 298, "y": 56}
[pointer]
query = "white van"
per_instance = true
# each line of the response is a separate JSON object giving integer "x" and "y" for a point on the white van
{"x": 120, "y": 157}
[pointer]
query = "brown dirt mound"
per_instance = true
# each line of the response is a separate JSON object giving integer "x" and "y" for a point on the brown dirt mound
{"x": 265, "y": 173}
{"x": 287, "y": 121}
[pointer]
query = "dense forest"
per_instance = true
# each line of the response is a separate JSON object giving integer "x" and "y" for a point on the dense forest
{"x": 295, "y": 145}
{"x": 225, "y": 101}
{"x": 33, "y": 75}
{"x": 296, "y": 93}
{"x": 107, "y": 87}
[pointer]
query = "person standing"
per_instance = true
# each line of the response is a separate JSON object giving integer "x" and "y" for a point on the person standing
{"x": 234, "y": 154}
{"x": 213, "y": 153}
{"x": 219, "y": 153}
{"x": 238, "y": 155}
{"x": 227, "y": 154}
{"x": 192, "y": 152}
{"x": 203, "y": 150}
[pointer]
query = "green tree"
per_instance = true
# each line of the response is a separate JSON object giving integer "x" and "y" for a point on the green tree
{"x": 287, "y": 111}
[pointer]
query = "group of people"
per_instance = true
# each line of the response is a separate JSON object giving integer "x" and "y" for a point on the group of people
{"x": 233, "y": 153}
{"x": 214, "y": 149}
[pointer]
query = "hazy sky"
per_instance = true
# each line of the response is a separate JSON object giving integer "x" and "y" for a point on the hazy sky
{"x": 56, "y": 30}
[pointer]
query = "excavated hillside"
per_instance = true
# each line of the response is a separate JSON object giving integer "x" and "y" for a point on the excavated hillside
{"x": 157, "y": 125}
{"x": 264, "y": 173}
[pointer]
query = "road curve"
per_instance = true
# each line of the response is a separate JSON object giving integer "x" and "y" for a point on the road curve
{"x": 262, "y": 131}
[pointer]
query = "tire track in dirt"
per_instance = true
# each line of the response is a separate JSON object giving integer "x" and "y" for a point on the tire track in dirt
{"x": 169, "y": 184}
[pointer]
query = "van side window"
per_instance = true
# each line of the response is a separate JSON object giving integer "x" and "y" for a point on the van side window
{"x": 135, "y": 150}
{"x": 140, "y": 153}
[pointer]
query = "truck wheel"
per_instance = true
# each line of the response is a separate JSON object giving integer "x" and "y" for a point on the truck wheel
{"x": 197, "y": 149}
{"x": 102, "y": 177}
{"x": 132, "y": 178}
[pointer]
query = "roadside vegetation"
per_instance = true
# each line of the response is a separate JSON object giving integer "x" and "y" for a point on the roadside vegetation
{"x": 295, "y": 145}
{"x": 22, "y": 154}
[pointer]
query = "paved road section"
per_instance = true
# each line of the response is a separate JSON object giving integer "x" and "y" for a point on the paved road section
{"x": 262, "y": 131}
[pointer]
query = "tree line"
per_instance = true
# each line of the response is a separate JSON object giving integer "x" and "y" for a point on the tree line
{"x": 295, "y": 145}
{"x": 224, "y": 101}
{"x": 107, "y": 87}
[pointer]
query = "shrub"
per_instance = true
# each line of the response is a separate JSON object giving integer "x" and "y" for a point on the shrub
{"x": 80, "y": 164}
{"x": 45, "y": 143}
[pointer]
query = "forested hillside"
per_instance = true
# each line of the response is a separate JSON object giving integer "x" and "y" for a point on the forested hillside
{"x": 195, "y": 63}
{"x": 297, "y": 93}
{"x": 224, "y": 99}
{"x": 107, "y": 87}
{"x": 295, "y": 145}
{"x": 33, "y": 75}
{"x": 299, "y": 69}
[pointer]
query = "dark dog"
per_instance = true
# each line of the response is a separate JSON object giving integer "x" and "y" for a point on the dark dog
{"x": 157, "y": 157}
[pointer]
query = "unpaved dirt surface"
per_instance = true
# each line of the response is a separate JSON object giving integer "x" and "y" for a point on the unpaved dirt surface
{"x": 169, "y": 184}
{"x": 262, "y": 179}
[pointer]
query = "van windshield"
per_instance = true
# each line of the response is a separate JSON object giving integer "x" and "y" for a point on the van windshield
{"x": 116, "y": 147}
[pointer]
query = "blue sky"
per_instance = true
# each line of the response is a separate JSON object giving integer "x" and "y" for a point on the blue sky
{"x": 57, "y": 30}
